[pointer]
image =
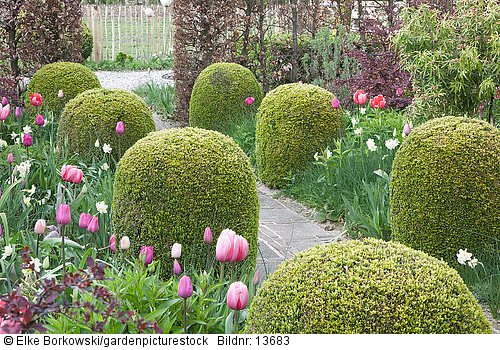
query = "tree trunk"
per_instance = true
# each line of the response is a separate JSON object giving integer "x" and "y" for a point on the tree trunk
{"x": 246, "y": 34}
{"x": 295, "y": 41}
{"x": 14, "y": 60}
{"x": 262, "y": 46}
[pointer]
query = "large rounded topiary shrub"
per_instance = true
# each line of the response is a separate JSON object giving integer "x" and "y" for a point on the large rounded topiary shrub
{"x": 93, "y": 115}
{"x": 71, "y": 78}
{"x": 87, "y": 41}
{"x": 293, "y": 123}
{"x": 445, "y": 192}
{"x": 174, "y": 183}
{"x": 368, "y": 286}
{"x": 218, "y": 97}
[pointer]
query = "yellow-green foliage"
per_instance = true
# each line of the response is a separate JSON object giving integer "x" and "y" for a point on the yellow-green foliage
{"x": 445, "y": 191}
{"x": 93, "y": 115}
{"x": 368, "y": 286}
{"x": 71, "y": 78}
{"x": 87, "y": 41}
{"x": 173, "y": 183}
{"x": 293, "y": 123}
{"x": 218, "y": 97}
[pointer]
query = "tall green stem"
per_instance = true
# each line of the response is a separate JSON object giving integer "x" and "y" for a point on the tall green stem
{"x": 185, "y": 317}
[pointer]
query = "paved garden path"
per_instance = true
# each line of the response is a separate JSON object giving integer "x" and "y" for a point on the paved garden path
{"x": 129, "y": 80}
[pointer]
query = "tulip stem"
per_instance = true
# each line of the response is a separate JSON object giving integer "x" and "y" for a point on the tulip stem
{"x": 221, "y": 272}
{"x": 236, "y": 321}
{"x": 208, "y": 257}
{"x": 185, "y": 317}
{"x": 61, "y": 228}
{"x": 37, "y": 243}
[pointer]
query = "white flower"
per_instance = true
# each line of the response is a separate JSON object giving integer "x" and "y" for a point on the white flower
{"x": 97, "y": 144}
{"x": 106, "y": 148}
{"x": 27, "y": 129}
{"x": 27, "y": 201}
{"x": 370, "y": 143}
{"x": 102, "y": 207}
{"x": 391, "y": 143}
{"x": 463, "y": 256}
{"x": 7, "y": 251}
{"x": 354, "y": 121}
{"x": 105, "y": 167}
{"x": 3, "y": 143}
{"x": 358, "y": 131}
{"x": 149, "y": 12}
{"x": 362, "y": 110}
{"x": 473, "y": 262}
{"x": 316, "y": 156}
{"x": 36, "y": 262}
{"x": 24, "y": 168}
{"x": 26, "y": 272}
{"x": 328, "y": 154}
{"x": 31, "y": 191}
{"x": 13, "y": 136}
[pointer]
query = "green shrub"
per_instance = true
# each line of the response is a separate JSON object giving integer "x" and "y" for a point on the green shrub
{"x": 87, "y": 41}
{"x": 453, "y": 60}
{"x": 293, "y": 123}
{"x": 71, "y": 78}
{"x": 445, "y": 191}
{"x": 173, "y": 183}
{"x": 93, "y": 115}
{"x": 368, "y": 286}
{"x": 218, "y": 97}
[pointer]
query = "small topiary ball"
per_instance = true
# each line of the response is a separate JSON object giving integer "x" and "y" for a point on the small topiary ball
{"x": 87, "y": 41}
{"x": 293, "y": 123}
{"x": 93, "y": 115}
{"x": 174, "y": 183}
{"x": 71, "y": 78}
{"x": 218, "y": 97}
{"x": 368, "y": 286}
{"x": 445, "y": 190}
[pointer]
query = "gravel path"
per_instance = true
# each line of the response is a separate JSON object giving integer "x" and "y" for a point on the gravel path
{"x": 131, "y": 79}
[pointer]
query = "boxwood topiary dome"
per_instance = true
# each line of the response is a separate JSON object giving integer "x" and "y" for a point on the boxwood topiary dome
{"x": 445, "y": 191}
{"x": 293, "y": 123}
{"x": 71, "y": 78}
{"x": 93, "y": 115}
{"x": 218, "y": 97}
{"x": 174, "y": 183}
{"x": 368, "y": 286}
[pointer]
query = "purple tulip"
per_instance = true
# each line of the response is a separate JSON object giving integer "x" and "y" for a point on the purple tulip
{"x": 19, "y": 112}
{"x": 146, "y": 255}
{"x": 27, "y": 140}
{"x": 177, "y": 268}
{"x": 5, "y": 101}
{"x": 10, "y": 158}
{"x": 93, "y": 226}
{"x": 84, "y": 220}
{"x": 249, "y": 101}
{"x": 207, "y": 236}
{"x": 120, "y": 128}
{"x": 406, "y": 129}
{"x": 185, "y": 289}
{"x": 112, "y": 243}
{"x": 63, "y": 214}
{"x": 40, "y": 121}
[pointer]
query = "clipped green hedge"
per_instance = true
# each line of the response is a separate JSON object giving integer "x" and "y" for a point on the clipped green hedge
{"x": 293, "y": 123}
{"x": 218, "y": 97}
{"x": 71, "y": 78}
{"x": 174, "y": 183}
{"x": 93, "y": 115}
{"x": 87, "y": 41}
{"x": 445, "y": 190}
{"x": 368, "y": 286}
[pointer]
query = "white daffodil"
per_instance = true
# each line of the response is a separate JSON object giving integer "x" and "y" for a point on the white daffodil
{"x": 391, "y": 143}
{"x": 23, "y": 168}
{"x": 27, "y": 129}
{"x": 105, "y": 167}
{"x": 7, "y": 251}
{"x": 31, "y": 191}
{"x": 36, "y": 264}
{"x": 106, "y": 148}
{"x": 354, "y": 121}
{"x": 370, "y": 143}
{"x": 328, "y": 154}
{"x": 473, "y": 262}
{"x": 362, "y": 110}
{"x": 102, "y": 207}
{"x": 27, "y": 200}
{"x": 3, "y": 143}
{"x": 13, "y": 136}
{"x": 358, "y": 131}
{"x": 316, "y": 156}
{"x": 463, "y": 256}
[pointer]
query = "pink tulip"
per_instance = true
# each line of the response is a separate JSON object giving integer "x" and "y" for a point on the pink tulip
{"x": 40, "y": 226}
{"x": 27, "y": 140}
{"x": 10, "y": 158}
{"x": 112, "y": 243}
{"x": 360, "y": 97}
{"x": 36, "y": 99}
{"x": 19, "y": 112}
{"x": 185, "y": 289}
{"x": 176, "y": 251}
{"x": 60, "y": 94}
{"x": 63, "y": 214}
{"x": 335, "y": 103}
{"x": 377, "y": 102}
{"x": 177, "y": 268}
{"x": 39, "y": 120}
{"x": 249, "y": 101}
{"x": 207, "y": 236}
{"x": 255, "y": 279}
{"x": 93, "y": 226}
{"x": 237, "y": 296}
{"x": 120, "y": 128}
{"x": 240, "y": 249}
{"x": 224, "y": 248}
{"x": 146, "y": 255}
{"x": 125, "y": 243}
{"x": 71, "y": 173}
{"x": 84, "y": 220}
{"x": 406, "y": 129}
{"x": 5, "y": 112}
{"x": 5, "y": 101}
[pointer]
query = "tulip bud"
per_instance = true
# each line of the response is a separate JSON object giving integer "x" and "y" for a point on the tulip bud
{"x": 5, "y": 101}
{"x": 93, "y": 226}
{"x": 63, "y": 214}
{"x": 335, "y": 103}
{"x": 249, "y": 101}
{"x": 177, "y": 268}
{"x": 406, "y": 129}
{"x": 40, "y": 226}
{"x": 84, "y": 220}
{"x": 185, "y": 289}
{"x": 176, "y": 251}
{"x": 237, "y": 296}
{"x": 10, "y": 158}
{"x": 39, "y": 120}
{"x": 120, "y": 128}
{"x": 125, "y": 243}
{"x": 27, "y": 140}
{"x": 60, "y": 94}
{"x": 146, "y": 255}
{"x": 19, "y": 112}
{"x": 112, "y": 243}
{"x": 46, "y": 263}
{"x": 207, "y": 236}
{"x": 255, "y": 279}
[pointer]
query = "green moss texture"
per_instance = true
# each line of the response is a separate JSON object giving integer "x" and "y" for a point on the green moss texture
{"x": 445, "y": 191}
{"x": 218, "y": 97}
{"x": 93, "y": 115}
{"x": 368, "y": 286}
{"x": 71, "y": 78}
{"x": 173, "y": 183}
{"x": 294, "y": 122}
